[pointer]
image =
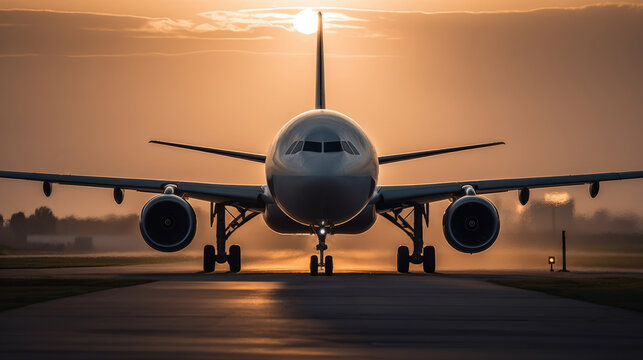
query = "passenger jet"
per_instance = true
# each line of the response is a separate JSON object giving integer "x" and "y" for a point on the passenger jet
{"x": 321, "y": 179}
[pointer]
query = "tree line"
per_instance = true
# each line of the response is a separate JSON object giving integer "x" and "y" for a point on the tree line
{"x": 44, "y": 222}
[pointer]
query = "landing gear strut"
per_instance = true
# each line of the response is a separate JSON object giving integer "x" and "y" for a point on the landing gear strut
{"x": 424, "y": 255}
{"x": 223, "y": 232}
{"x": 327, "y": 262}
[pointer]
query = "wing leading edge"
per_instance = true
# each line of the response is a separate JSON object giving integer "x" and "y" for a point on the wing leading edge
{"x": 245, "y": 195}
{"x": 414, "y": 155}
{"x": 395, "y": 196}
{"x": 234, "y": 154}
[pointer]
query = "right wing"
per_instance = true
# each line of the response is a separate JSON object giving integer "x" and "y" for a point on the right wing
{"x": 414, "y": 155}
{"x": 247, "y": 196}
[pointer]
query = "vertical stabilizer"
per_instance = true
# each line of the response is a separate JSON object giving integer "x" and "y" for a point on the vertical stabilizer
{"x": 320, "y": 95}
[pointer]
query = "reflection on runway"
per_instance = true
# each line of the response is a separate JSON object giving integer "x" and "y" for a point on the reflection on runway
{"x": 187, "y": 314}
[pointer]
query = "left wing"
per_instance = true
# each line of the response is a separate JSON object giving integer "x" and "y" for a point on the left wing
{"x": 248, "y": 196}
{"x": 395, "y": 196}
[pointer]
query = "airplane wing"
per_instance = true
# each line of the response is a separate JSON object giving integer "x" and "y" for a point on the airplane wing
{"x": 414, "y": 155}
{"x": 248, "y": 196}
{"x": 390, "y": 197}
{"x": 235, "y": 154}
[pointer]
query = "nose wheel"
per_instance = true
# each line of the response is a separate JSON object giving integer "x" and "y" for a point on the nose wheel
{"x": 315, "y": 265}
{"x": 327, "y": 264}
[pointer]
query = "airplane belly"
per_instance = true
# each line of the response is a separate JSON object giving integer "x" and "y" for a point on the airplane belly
{"x": 331, "y": 200}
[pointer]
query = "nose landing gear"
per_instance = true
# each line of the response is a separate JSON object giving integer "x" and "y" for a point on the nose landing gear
{"x": 327, "y": 263}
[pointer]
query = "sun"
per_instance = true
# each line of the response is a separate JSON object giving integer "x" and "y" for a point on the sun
{"x": 306, "y": 21}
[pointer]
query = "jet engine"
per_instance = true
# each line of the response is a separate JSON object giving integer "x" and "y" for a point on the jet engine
{"x": 471, "y": 224}
{"x": 168, "y": 223}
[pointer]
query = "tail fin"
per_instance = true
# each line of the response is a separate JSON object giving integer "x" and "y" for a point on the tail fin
{"x": 320, "y": 95}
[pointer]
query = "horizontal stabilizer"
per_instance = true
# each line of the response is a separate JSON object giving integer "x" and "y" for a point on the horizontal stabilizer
{"x": 234, "y": 154}
{"x": 414, "y": 155}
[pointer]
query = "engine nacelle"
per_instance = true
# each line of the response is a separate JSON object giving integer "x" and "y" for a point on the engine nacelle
{"x": 168, "y": 223}
{"x": 471, "y": 224}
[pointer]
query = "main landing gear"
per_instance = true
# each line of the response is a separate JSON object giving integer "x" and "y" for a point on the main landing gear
{"x": 211, "y": 256}
{"x": 327, "y": 264}
{"x": 424, "y": 255}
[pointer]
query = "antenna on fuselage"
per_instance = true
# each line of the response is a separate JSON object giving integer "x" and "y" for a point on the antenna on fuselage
{"x": 320, "y": 95}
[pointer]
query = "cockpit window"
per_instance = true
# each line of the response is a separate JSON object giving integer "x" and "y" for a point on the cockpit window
{"x": 313, "y": 146}
{"x": 290, "y": 148}
{"x": 347, "y": 148}
{"x": 298, "y": 147}
{"x": 332, "y": 146}
{"x": 295, "y": 147}
{"x": 328, "y": 147}
{"x": 353, "y": 148}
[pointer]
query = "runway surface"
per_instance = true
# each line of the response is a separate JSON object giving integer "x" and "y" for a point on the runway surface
{"x": 294, "y": 316}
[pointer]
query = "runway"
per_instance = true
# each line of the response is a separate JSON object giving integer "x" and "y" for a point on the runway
{"x": 293, "y": 316}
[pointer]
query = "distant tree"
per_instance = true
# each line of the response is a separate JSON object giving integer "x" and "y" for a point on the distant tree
{"x": 18, "y": 226}
{"x": 43, "y": 221}
{"x": 1, "y": 221}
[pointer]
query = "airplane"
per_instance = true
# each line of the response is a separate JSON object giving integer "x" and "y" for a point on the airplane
{"x": 321, "y": 179}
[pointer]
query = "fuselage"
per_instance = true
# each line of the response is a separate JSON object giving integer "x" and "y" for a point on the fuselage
{"x": 321, "y": 169}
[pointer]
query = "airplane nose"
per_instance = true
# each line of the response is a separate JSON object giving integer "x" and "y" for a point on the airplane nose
{"x": 316, "y": 199}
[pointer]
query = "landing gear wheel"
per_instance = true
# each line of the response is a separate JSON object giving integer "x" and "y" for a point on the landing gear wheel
{"x": 328, "y": 267}
{"x": 234, "y": 258}
{"x": 314, "y": 265}
{"x": 403, "y": 259}
{"x": 428, "y": 259}
{"x": 209, "y": 257}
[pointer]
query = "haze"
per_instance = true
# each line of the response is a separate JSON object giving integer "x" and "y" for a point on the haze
{"x": 87, "y": 84}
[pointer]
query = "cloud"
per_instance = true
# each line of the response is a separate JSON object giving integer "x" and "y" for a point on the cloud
{"x": 270, "y": 31}
{"x": 49, "y": 32}
{"x": 103, "y": 35}
{"x": 249, "y": 19}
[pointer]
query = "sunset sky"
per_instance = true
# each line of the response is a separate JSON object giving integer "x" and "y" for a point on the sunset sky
{"x": 85, "y": 85}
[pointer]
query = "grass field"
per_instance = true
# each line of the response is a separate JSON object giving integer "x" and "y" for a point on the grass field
{"x": 623, "y": 292}
{"x": 635, "y": 261}
{"x": 41, "y": 262}
{"x": 19, "y": 292}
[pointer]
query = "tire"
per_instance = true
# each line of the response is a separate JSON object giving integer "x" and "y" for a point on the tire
{"x": 428, "y": 259}
{"x": 403, "y": 259}
{"x": 209, "y": 259}
{"x": 314, "y": 265}
{"x": 328, "y": 268}
{"x": 234, "y": 258}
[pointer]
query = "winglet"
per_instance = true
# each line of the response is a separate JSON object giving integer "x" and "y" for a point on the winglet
{"x": 320, "y": 94}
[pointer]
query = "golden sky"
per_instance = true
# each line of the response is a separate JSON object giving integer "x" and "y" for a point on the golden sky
{"x": 85, "y": 85}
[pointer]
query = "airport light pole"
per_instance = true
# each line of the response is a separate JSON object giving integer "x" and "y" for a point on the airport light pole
{"x": 556, "y": 200}
{"x": 564, "y": 269}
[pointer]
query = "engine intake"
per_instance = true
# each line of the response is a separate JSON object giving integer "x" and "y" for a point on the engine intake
{"x": 168, "y": 223}
{"x": 471, "y": 224}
